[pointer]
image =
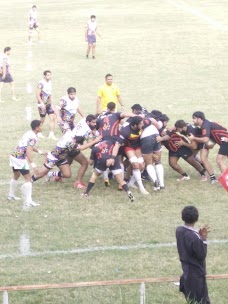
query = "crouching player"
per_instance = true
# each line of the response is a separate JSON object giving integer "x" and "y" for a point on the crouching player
{"x": 104, "y": 156}
{"x": 58, "y": 157}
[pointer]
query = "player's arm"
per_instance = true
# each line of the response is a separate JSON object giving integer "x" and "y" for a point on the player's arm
{"x": 162, "y": 138}
{"x": 98, "y": 104}
{"x": 119, "y": 98}
{"x": 97, "y": 32}
{"x": 155, "y": 123}
{"x": 58, "y": 112}
{"x": 38, "y": 96}
{"x": 39, "y": 151}
{"x": 89, "y": 144}
{"x": 203, "y": 140}
{"x": 80, "y": 112}
{"x": 192, "y": 145}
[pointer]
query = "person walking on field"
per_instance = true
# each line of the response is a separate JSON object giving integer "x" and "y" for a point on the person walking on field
{"x": 5, "y": 75}
{"x": 192, "y": 249}
{"x": 109, "y": 92}
{"x": 90, "y": 35}
{"x": 33, "y": 23}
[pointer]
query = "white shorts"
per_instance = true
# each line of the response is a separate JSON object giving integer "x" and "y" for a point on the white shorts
{"x": 19, "y": 164}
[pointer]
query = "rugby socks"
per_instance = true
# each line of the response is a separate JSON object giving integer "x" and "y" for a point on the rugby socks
{"x": 54, "y": 174}
{"x": 131, "y": 181}
{"x": 105, "y": 174}
{"x": 33, "y": 179}
{"x": 13, "y": 185}
{"x": 160, "y": 174}
{"x": 203, "y": 172}
{"x": 212, "y": 177}
{"x": 125, "y": 187}
{"x": 137, "y": 175}
{"x": 27, "y": 191}
{"x": 151, "y": 172}
{"x": 184, "y": 174}
{"x": 89, "y": 187}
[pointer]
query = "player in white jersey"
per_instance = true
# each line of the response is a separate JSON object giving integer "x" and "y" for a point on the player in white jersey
{"x": 33, "y": 23}
{"x": 90, "y": 35}
{"x": 20, "y": 160}
{"x": 43, "y": 95}
{"x": 67, "y": 109}
{"x": 84, "y": 130}
{"x": 150, "y": 148}
{"x": 58, "y": 157}
{"x": 5, "y": 74}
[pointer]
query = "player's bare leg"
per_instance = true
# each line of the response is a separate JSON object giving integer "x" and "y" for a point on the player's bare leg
{"x": 123, "y": 184}
{"x": 93, "y": 50}
{"x": 1, "y": 87}
{"x": 52, "y": 126}
{"x": 92, "y": 181}
{"x": 220, "y": 161}
{"x": 12, "y": 87}
{"x": 82, "y": 160}
{"x": 88, "y": 50}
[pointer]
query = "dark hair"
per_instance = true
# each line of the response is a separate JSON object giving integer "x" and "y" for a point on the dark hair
{"x": 111, "y": 105}
{"x": 190, "y": 214}
{"x": 108, "y": 75}
{"x": 35, "y": 123}
{"x": 163, "y": 117}
{"x": 34, "y": 6}
{"x": 46, "y": 72}
{"x": 90, "y": 117}
{"x": 155, "y": 114}
{"x": 71, "y": 90}
{"x": 136, "y": 107}
{"x": 180, "y": 123}
{"x": 198, "y": 114}
{"x": 92, "y": 16}
{"x": 136, "y": 120}
{"x": 6, "y": 49}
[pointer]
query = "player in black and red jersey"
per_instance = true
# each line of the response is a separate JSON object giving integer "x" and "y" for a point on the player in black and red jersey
{"x": 130, "y": 137}
{"x": 211, "y": 131}
{"x": 104, "y": 156}
{"x": 179, "y": 146}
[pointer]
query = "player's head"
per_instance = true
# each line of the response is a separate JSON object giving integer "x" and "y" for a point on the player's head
{"x": 155, "y": 114}
{"x": 190, "y": 214}
{"x": 198, "y": 117}
{"x": 91, "y": 121}
{"x": 7, "y": 50}
{"x": 34, "y": 7}
{"x": 111, "y": 106}
{"x": 71, "y": 93}
{"x": 36, "y": 125}
{"x": 47, "y": 74}
{"x": 164, "y": 119}
{"x": 136, "y": 123}
{"x": 92, "y": 17}
{"x": 136, "y": 108}
{"x": 108, "y": 79}
{"x": 180, "y": 125}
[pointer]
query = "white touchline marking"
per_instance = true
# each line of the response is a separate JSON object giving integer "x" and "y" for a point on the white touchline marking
{"x": 24, "y": 245}
{"x": 28, "y": 88}
{"x": 184, "y": 6}
{"x": 99, "y": 249}
{"x": 28, "y": 113}
{"x": 29, "y": 67}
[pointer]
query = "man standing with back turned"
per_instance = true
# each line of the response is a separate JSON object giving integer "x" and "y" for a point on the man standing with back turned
{"x": 192, "y": 249}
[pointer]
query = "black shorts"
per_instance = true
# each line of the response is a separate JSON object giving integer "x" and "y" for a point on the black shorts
{"x": 101, "y": 165}
{"x": 223, "y": 150}
{"x": 183, "y": 152}
{"x": 8, "y": 78}
{"x": 22, "y": 171}
{"x": 74, "y": 153}
{"x": 49, "y": 110}
{"x": 149, "y": 144}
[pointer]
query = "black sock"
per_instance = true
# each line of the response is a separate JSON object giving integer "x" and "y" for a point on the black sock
{"x": 59, "y": 174}
{"x": 125, "y": 187}
{"x": 203, "y": 172}
{"x": 33, "y": 178}
{"x": 184, "y": 174}
{"x": 212, "y": 176}
{"x": 89, "y": 187}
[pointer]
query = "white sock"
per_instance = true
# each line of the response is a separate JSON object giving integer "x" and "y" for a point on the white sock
{"x": 122, "y": 168}
{"x": 28, "y": 191}
{"x": 160, "y": 174}
{"x": 105, "y": 174}
{"x": 53, "y": 173}
{"x": 13, "y": 185}
{"x": 137, "y": 175}
{"x": 131, "y": 181}
{"x": 151, "y": 172}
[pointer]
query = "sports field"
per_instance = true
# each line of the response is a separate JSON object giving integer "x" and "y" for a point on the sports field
{"x": 169, "y": 55}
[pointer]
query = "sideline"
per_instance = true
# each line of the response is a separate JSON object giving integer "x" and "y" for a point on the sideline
{"x": 98, "y": 249}
{"x": 186, "y": 7}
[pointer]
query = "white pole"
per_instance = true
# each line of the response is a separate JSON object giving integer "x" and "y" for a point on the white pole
{"x": 5, "y": 297}
{"x": 142, "y": 293}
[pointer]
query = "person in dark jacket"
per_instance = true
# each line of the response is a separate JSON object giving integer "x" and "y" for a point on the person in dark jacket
{"x": 192, "y": 249}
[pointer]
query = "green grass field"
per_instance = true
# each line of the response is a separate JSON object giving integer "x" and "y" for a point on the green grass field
{"x": 162, "y": 55}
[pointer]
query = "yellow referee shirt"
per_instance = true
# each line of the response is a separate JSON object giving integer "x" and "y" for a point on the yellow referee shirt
{"x": 108, "y": 93}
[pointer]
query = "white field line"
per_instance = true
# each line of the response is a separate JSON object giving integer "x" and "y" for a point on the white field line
{"x": 28, "y": 111}
{"x": 99, "y": 249}
{"x": 185, "y": 7}
{"x": 24, "y": 245}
